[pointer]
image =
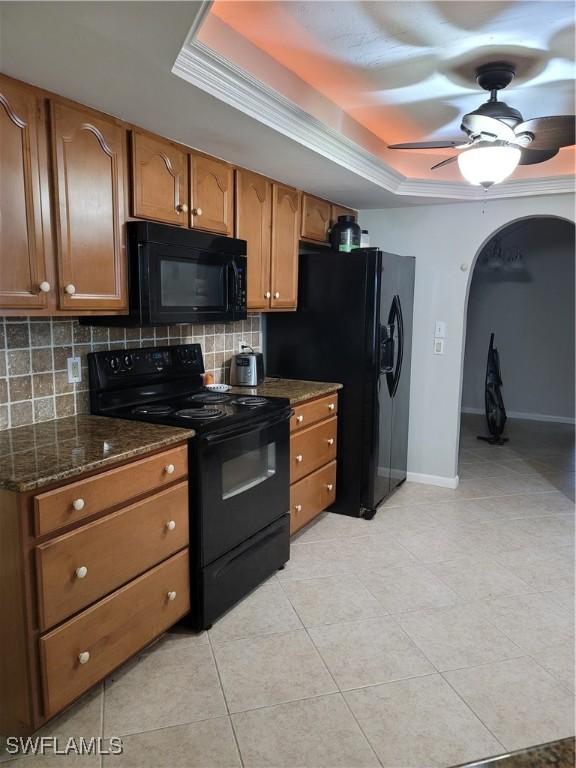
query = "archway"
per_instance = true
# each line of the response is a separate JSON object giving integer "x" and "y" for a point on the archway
{"x": 521, "y": 288}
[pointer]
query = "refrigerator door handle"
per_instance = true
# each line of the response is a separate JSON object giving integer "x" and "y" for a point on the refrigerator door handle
{"x": 386, "y": 348}
{"x": 395, "y": 317}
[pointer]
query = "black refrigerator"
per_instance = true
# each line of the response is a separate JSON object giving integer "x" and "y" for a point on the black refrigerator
{"x": 353, "y": 325}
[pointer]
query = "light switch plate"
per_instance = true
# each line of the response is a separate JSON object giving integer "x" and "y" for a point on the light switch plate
{"x": 438, "y": 346}
{"x": 74, "y": 370}
{"x": 440, "y": 330}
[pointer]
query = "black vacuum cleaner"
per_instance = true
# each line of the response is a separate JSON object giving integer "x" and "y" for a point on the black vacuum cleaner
{"x": 495, "y": 411}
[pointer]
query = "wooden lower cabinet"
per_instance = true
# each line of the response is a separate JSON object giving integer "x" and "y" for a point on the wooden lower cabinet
{"x": 313, "y": 453}
{"x": 83, "y": 595}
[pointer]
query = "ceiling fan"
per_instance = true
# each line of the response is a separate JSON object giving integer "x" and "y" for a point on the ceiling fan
{"x": 498, "y": 137}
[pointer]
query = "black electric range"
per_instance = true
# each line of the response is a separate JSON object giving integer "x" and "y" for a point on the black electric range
{"x": 239, "y": 466}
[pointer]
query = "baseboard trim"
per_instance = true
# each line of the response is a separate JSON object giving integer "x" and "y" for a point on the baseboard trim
{"x": 439, "y": 480}
{"x": 527, "y": 416}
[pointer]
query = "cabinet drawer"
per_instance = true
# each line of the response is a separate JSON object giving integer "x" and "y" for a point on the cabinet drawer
{"x": 313, "y": 411}
{"x": 73, "y": 502}
{"x": 310, "y": 496}
{"x": 88, "y": 647}
{"x": 82, "y": 566}
{"x": 312, "y": 448}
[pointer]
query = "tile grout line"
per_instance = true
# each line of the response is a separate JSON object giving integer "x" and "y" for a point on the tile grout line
{"x": 230, "y": 719}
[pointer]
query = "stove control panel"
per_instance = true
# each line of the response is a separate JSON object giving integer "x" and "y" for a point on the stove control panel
{"x": 147, "y": 363}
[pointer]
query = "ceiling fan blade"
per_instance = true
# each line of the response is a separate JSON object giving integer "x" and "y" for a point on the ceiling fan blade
{"x": 427, "y": 145}
{"x": 549, "y": 132}
{"x": 444, "y": 162}
{"x": 481, "y": 124}
{"x": 533, "y": 156}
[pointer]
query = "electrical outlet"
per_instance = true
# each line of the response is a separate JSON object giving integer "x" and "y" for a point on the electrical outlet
{"x": 440, "y": 330}
{"x": 438, "y": 346}
{"x": 243, "y": 343}
{"x": 74, "y": 370}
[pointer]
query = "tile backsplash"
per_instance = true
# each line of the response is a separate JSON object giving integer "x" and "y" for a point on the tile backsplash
{"x": 33, "y": 352}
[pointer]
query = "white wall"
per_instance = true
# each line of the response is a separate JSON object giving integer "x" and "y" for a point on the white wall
{"x": 445, "y": 238}
{"x": 533, "y": 321}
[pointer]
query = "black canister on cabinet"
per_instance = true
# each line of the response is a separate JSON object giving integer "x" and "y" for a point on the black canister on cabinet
{"x": 345, "y": 234}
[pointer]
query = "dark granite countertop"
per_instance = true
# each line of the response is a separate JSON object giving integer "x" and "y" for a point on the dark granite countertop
{"x": 295, "y": 389}
{"x": 554, "y": 754}
{"x": 34, "y": 456}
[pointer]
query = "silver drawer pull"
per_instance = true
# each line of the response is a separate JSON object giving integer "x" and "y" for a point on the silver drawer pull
{"x": 81, "y": 572}
{"x": 84, "y": 657}
{"x": 330, "y": 441}
{"x": 171, "y": 595}
{"x": 299, "y": 458}
{"x": 298, "y": 508}
{"x": 78, "y": 504}
{"x": 331, "y": 407}
{"x": 329, "y": 486}
{"x": 300, "y": 419}
{"x": 169, "y": 469}
{"x": 170, "y": 525}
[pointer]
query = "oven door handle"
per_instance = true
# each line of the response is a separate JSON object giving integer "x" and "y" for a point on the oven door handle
{"x": 229, "y": 434}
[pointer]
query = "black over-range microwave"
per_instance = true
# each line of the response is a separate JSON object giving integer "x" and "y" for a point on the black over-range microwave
{"x": 180, "y": 275}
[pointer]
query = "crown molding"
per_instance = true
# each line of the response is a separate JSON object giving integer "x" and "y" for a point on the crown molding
{"x": 208, "y": 70}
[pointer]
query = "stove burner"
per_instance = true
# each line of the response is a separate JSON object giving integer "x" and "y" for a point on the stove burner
{"x": 200, "y": 413}
{"x": 209, "y": 397}
{"x": 250, "y": 402}
{"x": 153, "y": 410}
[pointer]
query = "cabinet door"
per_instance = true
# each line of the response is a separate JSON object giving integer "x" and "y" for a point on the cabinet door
{"x": 339, "y": 210}
{"x": 159, "y": 180}
{"x": 22, "y": 264}
{"x": 315, "y": 218}
{"x": 254, "y": 224}
{"x": 285, "y": 210}
{"x": 89, "y": 176}
{"x": 212, "y": 191}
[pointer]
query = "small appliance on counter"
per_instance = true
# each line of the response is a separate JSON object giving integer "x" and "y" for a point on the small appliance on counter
{"x": 247, "y": 369}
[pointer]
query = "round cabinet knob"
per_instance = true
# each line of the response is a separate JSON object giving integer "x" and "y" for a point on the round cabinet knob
{"x": 171, "y": 525}
{"x": 300, "y": 419}
{"x": 331, "y": 407}
{"x": 70, "y": 289}
{"x": 298, "y": 508}
{"x": 299, "y": 458}
{"x": 169, "y": 469}
{"x": 329, "y": 486}
{"x": 81, "y": 572}
{"x": 330, "y": 441}
{"x": 171, "y": 595}
{"x": 78, "y": 504}
{"x": 277, "y": 295}
{"x": 84, "y": 657}
{"x": 44, "y": 286}
{"x": 267, "y": 295}
{"x": 182, "y": 208}
{"x": 197, "y": 211}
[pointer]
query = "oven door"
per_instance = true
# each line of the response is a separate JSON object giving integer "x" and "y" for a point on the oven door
{"x": 186, "y": 285}
{"x": 243, "y": 483}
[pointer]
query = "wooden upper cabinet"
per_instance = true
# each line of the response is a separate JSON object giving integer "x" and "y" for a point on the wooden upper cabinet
{"x": 159, "y": 180}
{"x": 285, "y": 230}
{"x": 315, "y": 218}
{"x": 254, "y": 224}
{"x": 22, "y": 262}
{"x": 339, "y": 210}
{"x": 212, "y": 195}
{"x": 89, "y": 178}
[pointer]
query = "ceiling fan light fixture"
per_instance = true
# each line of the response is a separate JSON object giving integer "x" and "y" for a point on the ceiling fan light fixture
{"x": 487, "y": 165}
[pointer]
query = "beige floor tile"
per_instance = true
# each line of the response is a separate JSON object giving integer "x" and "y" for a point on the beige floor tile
{"x": 532, "y": 621}
{"x": 207, "y": 744}
{"x": 562, "y": 596}
{"x": 271, "y": 669}
{"x": 558, "y": 659}
{"x": 265, "y": 611}
{"x": 483, "y": 578}
{"x": 331, "y": 600}
{"x": 518, "y": 701}
{"x": 317, "y": 733}
{"x": 390, "y": 521}
{"x": 443, "y": 543}
{"x": 420, "y": 722}
{"x": 457, "y": 637}
{"x": 315, "y": 559}
{"x": 368, "y": 652}
{"x": 552, "y": 530}
{"x": 412, "y": 587}
{"x": 176, "y": 639}
{"x": 372, "y": 553}
{"x": 163, "y": 688}
{"x": 332, "y": 526}
{"x": 541, "y": 567}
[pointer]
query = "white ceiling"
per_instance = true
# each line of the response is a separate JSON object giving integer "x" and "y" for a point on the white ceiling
{"x": 405, "y": 70}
